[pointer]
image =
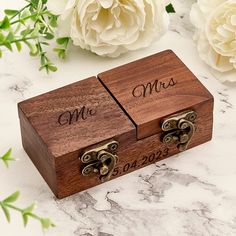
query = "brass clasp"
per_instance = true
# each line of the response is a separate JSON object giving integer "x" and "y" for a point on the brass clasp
{"x": 179, "y": 129}
{"x": 101, "y": 160}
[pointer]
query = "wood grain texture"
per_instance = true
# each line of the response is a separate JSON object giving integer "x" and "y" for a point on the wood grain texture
{"x": 38, "y": 152}
{"x": 68, "y": 135}
{"x": 152, "y": 88}
{"x": 133, "y": 154}
{"x": 59, "y": 126}
{"x": 63, "y": 122}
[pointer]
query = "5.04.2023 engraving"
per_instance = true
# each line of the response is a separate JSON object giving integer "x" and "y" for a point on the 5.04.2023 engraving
{"x": 140, "y": 162}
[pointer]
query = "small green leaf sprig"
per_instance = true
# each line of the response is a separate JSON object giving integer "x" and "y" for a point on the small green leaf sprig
{"x": 6, "y": 158}
{"x": 7, "y": 204}
{"x": 33, "y": 26}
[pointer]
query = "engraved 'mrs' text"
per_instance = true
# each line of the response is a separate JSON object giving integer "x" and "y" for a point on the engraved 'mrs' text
{"x": 143, "y": 90}
{"x": 70, "y": 117}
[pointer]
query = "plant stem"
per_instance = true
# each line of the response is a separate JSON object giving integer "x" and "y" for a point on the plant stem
{"x": 28, "y": 17}
{"x": 11, "y": 206}
{"x": 34, "y": 216}
{"x": 20, "y": 11}
{"x": 19, "y": 40}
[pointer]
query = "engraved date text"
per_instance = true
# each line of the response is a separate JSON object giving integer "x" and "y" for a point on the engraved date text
{"x": 140, "y": 162}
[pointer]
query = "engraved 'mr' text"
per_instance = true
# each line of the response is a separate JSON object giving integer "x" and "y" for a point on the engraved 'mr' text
{"x": 143, "y": 90}
{"x": 70, "y": 117}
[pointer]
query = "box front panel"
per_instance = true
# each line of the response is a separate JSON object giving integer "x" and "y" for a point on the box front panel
{"x": 132, "y": 154}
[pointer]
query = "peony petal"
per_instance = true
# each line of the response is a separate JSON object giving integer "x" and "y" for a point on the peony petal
{"x": 111, "y": 27}
{"x": 57, "y": 7}
{"x": 63, "y": 30}
{"x": 69, "y": 9}
{"x": 210, "y": 56}
{"x": 106, "y": 3}
{"x": 197, "y": 17}
{"x": 233, "y": 19}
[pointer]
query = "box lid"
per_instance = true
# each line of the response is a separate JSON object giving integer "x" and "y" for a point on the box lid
{"x": 76, "y": 116}
{"x": 152, "y": 88}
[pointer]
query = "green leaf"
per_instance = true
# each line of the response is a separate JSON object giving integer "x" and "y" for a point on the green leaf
{"x": 170, "y": 8}
{"x": 5, "y": 24}
{"x": 2, "y": 38}
{"x": 43, "y": 67}
{"x": 48, "y": 67}
{"x": 18, "y": 46}
{"x": 27, "y": 212}
{"x": 34, "y": 3}
{"x": 49, "y": 36}
{"x": 25, "y": 13}
{"x": 18, "y": 28}
{"x": 40, "y": 24}
{"x": 40, "y": 5}
{"x": 12, "y": 198}
{"x": 25, "y": 220}
{"x": 8, "y": 46}
{"x": 29, "y": 209}
{"x": 25, "y": 32}
{"x": 11, "y": 12}
{"x": 10, "y": 37}
{"x": 7, "y": 156}
{"x": 46, "y": 223}
{"x": 62, "y": 41}
{"x": 52, "y": 68}
{"x": 33, "y": 48}
{"x": 45, "y": 43}
{"x": 61, "y": 52}
{"x": 6, "y": 212}
{"x": 35, "y": 32}
{"x": 0, "y": 53}
{"x": 53, "y": 21}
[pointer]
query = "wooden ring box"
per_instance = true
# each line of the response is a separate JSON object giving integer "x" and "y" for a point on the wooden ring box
{"x": 100, "y": 128}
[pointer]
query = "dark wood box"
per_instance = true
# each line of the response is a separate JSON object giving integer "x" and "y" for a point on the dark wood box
{"x": 103, "y": 127}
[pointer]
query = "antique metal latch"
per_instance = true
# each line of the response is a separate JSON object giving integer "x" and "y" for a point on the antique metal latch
{"x": 179, "y": 129}
{"x": 101, "y": 160}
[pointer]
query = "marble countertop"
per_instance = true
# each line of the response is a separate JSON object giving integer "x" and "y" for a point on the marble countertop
{"x": 193, "y": 193}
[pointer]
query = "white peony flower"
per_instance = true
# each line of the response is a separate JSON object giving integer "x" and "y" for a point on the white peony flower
{"x": 215, "y": 22}
{"x": 110, "y": 27}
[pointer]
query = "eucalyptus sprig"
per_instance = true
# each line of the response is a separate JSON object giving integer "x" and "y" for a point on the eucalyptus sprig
{"x": 7, "y": 204}
{"x": 33, "y": 26}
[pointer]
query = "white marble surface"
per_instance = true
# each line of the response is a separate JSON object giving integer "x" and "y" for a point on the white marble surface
{"x": 189, "y": 194}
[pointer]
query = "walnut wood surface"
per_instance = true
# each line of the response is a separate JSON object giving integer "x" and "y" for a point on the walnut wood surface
{"x": 49, "y": 143}
{"x": 38, "y": 152}
{"x": 152, "y": 88}
{"x": 90, "y": 116}
{"x": 130, "y": 152}
{"x": 44, "y": 111}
